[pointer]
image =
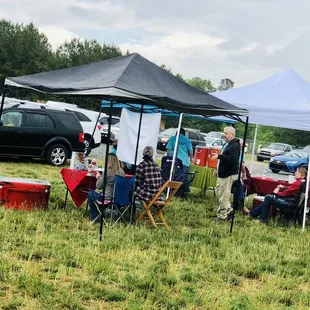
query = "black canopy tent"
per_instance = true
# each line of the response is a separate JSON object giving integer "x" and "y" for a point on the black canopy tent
{"x": 130, "y": 78}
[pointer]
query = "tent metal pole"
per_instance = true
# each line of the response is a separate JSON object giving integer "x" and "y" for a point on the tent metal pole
{"x": 253, "y": 149}
{"x": 92, "y": 136}
{"x": 306, "y": 198}
{"x": 235, "y": 206}
{"x": 2, "y": 101}
{"x": 138, "y": 137}
{"x": 175, "y": 152}
{"x": 106, "y": 166}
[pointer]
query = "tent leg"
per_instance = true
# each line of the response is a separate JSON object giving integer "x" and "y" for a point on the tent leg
{"x": 253, "y": 150}
{"x": 92, "y": 136}
{"x": 138, "y": 137}
{"x": 306, "y": 198}
{"x": 235, "y": 203}
{"x": 106, "y": 166}
{"x": 2, "y": 102}
{"x": 175, "y": 152}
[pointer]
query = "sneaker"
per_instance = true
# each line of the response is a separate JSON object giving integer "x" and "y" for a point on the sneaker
{"x": 245, "y": 211}
{"x": 219, "y": 219}
{"x": 229, "y": 216}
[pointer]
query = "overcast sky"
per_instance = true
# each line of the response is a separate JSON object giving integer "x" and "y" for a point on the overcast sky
{"x": 244, "y": 40}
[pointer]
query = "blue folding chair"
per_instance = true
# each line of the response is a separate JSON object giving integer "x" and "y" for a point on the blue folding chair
{"x": 122, "y": 200}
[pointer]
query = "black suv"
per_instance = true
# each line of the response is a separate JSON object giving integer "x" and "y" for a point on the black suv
{"x": 194, "y": 135}
{"x": 40, "y": 133}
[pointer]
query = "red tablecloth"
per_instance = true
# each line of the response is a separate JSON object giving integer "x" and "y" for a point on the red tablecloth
{"x": 265, "y": 186}
{"x": 78, "y": 182}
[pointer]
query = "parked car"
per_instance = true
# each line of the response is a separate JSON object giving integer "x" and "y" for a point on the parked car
{"x": 306, "y": 149}
{"x": 214, "y": 141}
{"x": 88, "y": 120}
{"x": 114, "y": 132}
{"x": 104, "y": 120}
{"x": 273, "y": 149}
{"x": 289, "y": 162}
{"x": 40, "y": 133}
{"x": 194, "y": 135}
{"x": 214, "y": 134}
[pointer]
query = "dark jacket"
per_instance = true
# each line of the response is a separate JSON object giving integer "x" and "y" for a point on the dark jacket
{"x": 229, "y": 159}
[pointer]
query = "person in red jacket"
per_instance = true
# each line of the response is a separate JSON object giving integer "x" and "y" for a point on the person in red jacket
{"x": 278, "y": 197}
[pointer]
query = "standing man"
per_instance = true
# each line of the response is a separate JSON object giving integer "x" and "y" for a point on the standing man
{"x": 185, "y": 153}
{"x": 227, "y": 171}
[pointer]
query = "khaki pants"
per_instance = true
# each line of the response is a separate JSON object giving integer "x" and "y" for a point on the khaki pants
{"x": 223, "y": 192}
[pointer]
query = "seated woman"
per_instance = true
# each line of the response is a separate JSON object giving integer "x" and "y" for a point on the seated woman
{"x": 113, "y": 170}
{"x": 148, "y": 176}
{"x": 128, "y": 168}
{"x": 278, "y": 198}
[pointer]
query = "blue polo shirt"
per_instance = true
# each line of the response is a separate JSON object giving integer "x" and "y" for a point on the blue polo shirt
{"x": 185, "y": 146}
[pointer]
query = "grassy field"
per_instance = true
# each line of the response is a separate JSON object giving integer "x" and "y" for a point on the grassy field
{"x": 53, "y": 259}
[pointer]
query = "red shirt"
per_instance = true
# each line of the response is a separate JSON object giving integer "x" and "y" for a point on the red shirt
{"x": 292, "y": 189}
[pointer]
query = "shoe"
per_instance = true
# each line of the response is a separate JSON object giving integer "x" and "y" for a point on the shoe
{"x": 230, "y": 215}
{"x": 219, "y": 219}
{"x": 260, "y": 222}
{"x": 245, "y": 211}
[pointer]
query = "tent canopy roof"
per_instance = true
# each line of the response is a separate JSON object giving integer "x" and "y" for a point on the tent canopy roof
{"x": 130, "y": 77}
{"x": 282, "y": 100}
{"x": 136, "y": 107}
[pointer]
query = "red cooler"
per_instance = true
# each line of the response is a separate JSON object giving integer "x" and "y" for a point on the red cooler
{"x": 212, "y": 163}
{"x": 201, "y": 155}
{"x": 24, "y": 194}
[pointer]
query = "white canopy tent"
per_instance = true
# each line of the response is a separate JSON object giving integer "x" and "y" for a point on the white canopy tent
{"x": 282, "y": 100}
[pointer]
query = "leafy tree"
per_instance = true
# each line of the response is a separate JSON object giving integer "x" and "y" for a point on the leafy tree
{"x": 202, "y": 84}
{"x": 178, "y": 75}
{"x": 78, "y": 52}
{"x": 226, "y": 84}
{"x": 23, "y": 50}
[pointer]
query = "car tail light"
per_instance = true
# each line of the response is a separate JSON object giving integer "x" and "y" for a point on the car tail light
{"x": 99, "y": 126}
{"x": 81, "y": 137}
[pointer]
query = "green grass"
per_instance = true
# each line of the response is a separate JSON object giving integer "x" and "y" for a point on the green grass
{"x": 53, "y": 259}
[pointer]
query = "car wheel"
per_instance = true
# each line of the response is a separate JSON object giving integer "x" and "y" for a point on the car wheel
{"x": 260, "y": 159}
{"x": 88, "y": 148}
{"x": 57, "y": 155}
{"x": 275, "y": 171}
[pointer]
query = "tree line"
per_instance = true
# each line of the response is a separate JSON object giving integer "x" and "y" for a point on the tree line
{"x": 25, "y": 50}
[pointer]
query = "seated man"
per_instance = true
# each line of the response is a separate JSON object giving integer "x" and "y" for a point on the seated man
{"x": 148, "y": 176}
{"x": 279, "y": 198}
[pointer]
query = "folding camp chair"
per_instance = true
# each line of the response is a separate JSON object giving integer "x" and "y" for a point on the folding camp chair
{"x": 123, "y": 198}
{"x": 295, "y": 212}
{"x": 121, "y": 202}
{"x": 178, "y": 175}
{"x": 154, "y": 207}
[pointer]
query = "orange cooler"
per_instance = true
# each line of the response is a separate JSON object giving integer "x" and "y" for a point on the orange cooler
{"x": 212, "y": 151}
{"x": 201, "y": 155}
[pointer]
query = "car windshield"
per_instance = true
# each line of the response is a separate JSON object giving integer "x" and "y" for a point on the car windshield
{"x": 297, "y": 154}
{"x": 306, "y": 148}
{"x": 209, "y": 140}
{"x": 117, "y": 125}
{"x": 214, "y": 134}
{"x": 169, "y": 132}
{"x": 276, "y": 146}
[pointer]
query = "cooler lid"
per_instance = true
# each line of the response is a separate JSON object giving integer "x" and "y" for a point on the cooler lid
{"x": 26, "y": 181}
